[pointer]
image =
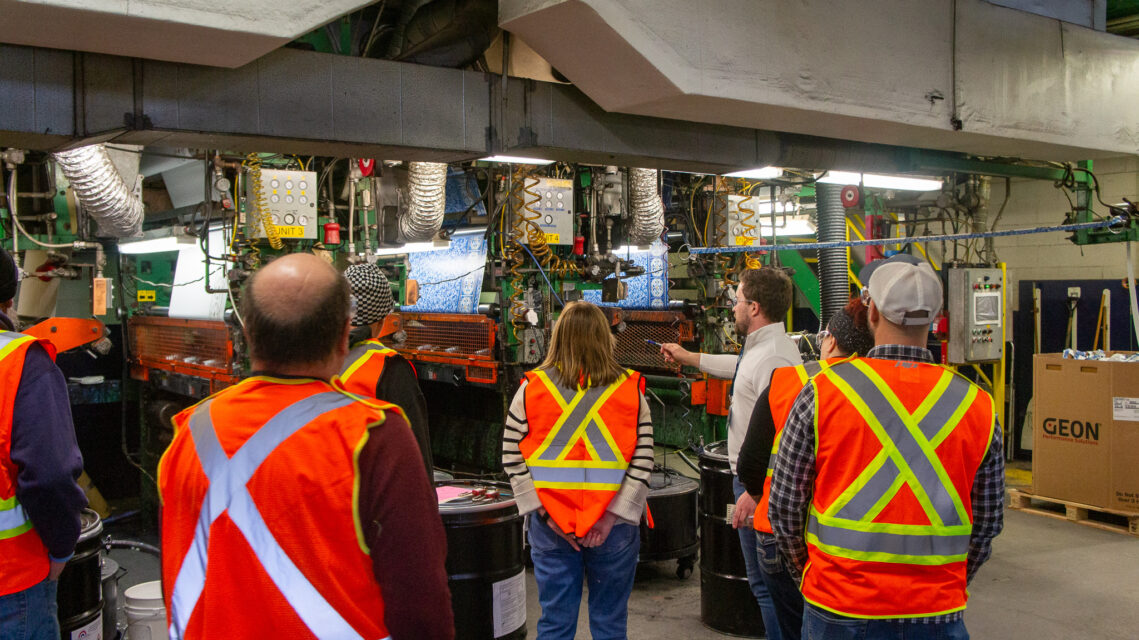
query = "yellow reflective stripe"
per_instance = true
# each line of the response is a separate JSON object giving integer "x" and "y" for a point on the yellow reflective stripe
{"x": 880, "y": 556}
{"x": 11, "y": 346}
{"x": 368, "y": 355}
{"x": 15, "y": 531}
{"x": 801, "y": 371}
{"x": 895, "y": 487}
{"x": 889, "y": 616}
{"x": 8, "y": 503}
{"x": 567, "y": 409}
{"x": 579, "y": 464}
{"x": 770, "y": 472}
{"x": 884, "y": 438}
{"x": 357, "y": 524}
{"x": 934, "y": 395}
{"x": 893, "y": 527}
{"x": 970, "y": 397}
{"x": 583, "y": 486}
{"x": 589, "y": 417}
{"x": 859, "y": 482}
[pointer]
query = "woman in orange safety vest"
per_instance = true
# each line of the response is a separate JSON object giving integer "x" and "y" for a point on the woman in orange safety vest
{"x": 578, "y": 448}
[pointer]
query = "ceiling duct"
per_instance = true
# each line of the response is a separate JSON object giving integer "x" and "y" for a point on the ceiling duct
{"x": 427, "y": 200}
{"x": 646, "y": 207}
{"x": 101, "y": 190}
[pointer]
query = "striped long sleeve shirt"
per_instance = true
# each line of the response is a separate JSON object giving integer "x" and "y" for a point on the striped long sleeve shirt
{"x": 627, "y": 505}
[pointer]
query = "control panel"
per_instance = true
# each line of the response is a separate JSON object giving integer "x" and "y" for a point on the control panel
{"x": 290, "y": 197}
{"x": 739, "y": 233}
{"x": 554, "y": 208}
{"x": 976, "y": 315}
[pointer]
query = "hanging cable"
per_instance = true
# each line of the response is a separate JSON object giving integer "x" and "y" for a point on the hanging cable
{"x": 253, "y": 161}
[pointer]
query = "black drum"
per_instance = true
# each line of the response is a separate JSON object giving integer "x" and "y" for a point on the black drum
{"x": 80, "y": 589}
{"x": 672, "y": 503}
{"x": 727, "y": 604}
{"x": 484, "y": 560}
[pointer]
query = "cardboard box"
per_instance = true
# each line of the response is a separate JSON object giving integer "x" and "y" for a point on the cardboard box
{"x": 1086, "y": 431}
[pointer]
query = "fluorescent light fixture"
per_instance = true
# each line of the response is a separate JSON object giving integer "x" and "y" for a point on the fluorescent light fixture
{"x": 412, "y": 247}
{"x": 516, "y": 160}
{"x": 793, "y": 227}
{"x": 156, "y": 241}
{"x": 879, "y": 181}
{"x": 761, "y": 173}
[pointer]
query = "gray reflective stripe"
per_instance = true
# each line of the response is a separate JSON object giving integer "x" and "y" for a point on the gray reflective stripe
{"x": 578, "y": 414}
{"x": 13, "y": 517}
{"x": 577, "y": 475}
{"x": 861, "y": 504}
{"x": 9, "y": 336}
{"x": 600, "y": 444}
{"x": 812, "y": 368}
{"x": 945, "y": 407}
{"x": 227, "y": 493}
{"x": 918, "y": 544}
{"x": 903, "y": 440}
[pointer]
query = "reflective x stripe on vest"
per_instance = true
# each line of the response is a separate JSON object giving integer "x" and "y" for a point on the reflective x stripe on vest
{"x": 228, "y": 494}
{"x": 13, "y": 520}
{"x": 805, "y": 371}
{"x": 908, "y": 456}
{"x": 548, "y": 464}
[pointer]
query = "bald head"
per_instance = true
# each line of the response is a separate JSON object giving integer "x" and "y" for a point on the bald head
{"x": 296, "y": 313}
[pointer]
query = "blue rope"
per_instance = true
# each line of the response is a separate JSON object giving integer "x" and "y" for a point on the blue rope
{"x": 543, "y": 272}
{"x": 881, "y": 241}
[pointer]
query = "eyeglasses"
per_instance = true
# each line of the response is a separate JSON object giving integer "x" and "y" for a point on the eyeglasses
{"x": 864, "y": 295}
{"x": 820, "y": 336}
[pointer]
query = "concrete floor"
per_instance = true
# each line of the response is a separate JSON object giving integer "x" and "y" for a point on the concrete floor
{"x": 1047, "y": 580}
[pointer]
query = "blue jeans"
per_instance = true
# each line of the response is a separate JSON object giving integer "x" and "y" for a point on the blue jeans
{"x": 559, "y": 571}
{"x": 754, "y": 574}
{"x": 819, "y": 624}
{"x": 785, "y": 595}
{"x": 30, "y": 614}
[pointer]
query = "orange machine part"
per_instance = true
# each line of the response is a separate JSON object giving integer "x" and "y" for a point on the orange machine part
{"x": 67, "y": 333}
{"x": 699, "y": 392}
{"x": 718, "y": 393}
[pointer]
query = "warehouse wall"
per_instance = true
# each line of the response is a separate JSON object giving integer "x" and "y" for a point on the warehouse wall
{"x": 1051, "y": 256}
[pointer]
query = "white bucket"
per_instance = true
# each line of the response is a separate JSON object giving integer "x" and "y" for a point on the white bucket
{"x": 146, "y": 614}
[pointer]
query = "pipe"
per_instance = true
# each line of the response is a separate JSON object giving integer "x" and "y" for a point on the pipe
{"x": 833, "y": 263}
{"x": 101, "y": 190}
{"x": 427, "y": 182}
{"x": 647, "y": 208}
{"x": 137, "y": 545}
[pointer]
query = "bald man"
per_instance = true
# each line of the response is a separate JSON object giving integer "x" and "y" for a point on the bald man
{"x": 291, "y": 508}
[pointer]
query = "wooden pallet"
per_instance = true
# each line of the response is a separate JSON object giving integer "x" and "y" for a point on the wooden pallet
{"x": 1099, "y": 518}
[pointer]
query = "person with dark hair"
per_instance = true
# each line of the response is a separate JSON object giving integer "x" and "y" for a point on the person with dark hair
{"x": 578, "y": 447}
{"x": 373, "y": 370}
{"x": 763, "y": 298}
{"x": 847, "y": 334}
{"x": 40, "y": 501}
{"x": 888, "y": 486}
{"x": 289, "y": 506}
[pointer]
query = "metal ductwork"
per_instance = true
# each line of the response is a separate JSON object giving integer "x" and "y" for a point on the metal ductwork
{"x": 646, "y": 206}
{"x": 101, "y": 190}
{"x": 426, "y": 186}
{"x": 833, "y": 265}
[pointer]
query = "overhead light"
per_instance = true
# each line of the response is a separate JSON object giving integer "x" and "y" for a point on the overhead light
{"x": 516, "y": 160}
{"x": 879, "y": 181}
{"x": 412, "y": 247}
{"x": 761, "y": 173}
{"x": 792, "y": 227}
{"x": 156, "y": 241}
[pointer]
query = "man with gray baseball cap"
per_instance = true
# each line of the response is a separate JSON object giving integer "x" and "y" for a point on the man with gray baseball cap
{"x": 889, "y": 479}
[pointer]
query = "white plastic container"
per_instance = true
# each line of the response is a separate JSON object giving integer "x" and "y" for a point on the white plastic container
{"x": 146, "y": 614}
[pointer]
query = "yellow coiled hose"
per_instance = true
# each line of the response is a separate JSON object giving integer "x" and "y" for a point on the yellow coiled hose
{"x": 253, "y": 162}
{"x": 720, "y": 198}
{"x": 747, "y": 214}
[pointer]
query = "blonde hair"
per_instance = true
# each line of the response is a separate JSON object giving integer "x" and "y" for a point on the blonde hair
{"x": 581, "y": 349}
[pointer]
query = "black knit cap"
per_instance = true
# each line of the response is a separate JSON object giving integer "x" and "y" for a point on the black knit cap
{"x": 850, "y": 338}
{"x": 9, "y": 276}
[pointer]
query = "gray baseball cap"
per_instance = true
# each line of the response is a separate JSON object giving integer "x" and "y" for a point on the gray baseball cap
{"x": 905, "y": 289}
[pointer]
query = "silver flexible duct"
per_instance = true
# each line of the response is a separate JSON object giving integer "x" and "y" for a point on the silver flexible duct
{"x": 646, "y": 205}
{"x": 101, "y": 190}
{"x": 426, "y": 186}
{"x": 833, "y": 264}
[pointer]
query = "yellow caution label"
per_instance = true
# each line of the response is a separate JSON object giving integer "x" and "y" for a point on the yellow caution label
{"x": 559, "y": 183}
{"x": 553, "y": 238}
{"x": 293, "y": 231}
{"x": 146, "y": 295}
{"x": 744, "y": 241}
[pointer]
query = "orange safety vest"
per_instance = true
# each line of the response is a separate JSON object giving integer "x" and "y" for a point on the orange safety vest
{"x": 898, "y": 445}
{"x": 364, "y": 366}
{"x": 261, "y": 536}
{"x": 579, "y": 444}
{"x": 786, "y": 383}
{"x": 23, "y": 558}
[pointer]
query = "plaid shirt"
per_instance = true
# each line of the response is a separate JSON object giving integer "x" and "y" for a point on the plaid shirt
{"x": 794, "y": 477}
